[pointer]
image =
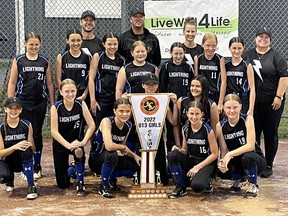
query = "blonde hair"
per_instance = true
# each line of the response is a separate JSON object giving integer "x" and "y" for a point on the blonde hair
{"x": 209, "y": 36}
{"x": 232, "y": 97}
{"x": 138, "y": 43}
{"x": 67, "y": 81}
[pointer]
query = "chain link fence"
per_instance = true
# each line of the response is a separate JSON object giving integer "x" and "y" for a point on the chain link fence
{"x": 20, "y": 16}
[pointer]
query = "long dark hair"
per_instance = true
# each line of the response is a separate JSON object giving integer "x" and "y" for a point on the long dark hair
{"x": 204, "y": 95}
{"x": 72, "y": 31}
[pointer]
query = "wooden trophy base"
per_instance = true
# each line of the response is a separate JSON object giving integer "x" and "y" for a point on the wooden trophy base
{"x": 147, "y": 191}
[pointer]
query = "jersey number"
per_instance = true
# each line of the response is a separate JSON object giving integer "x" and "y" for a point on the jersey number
{"x": 203, "y": 150}
{"x": 40, "y": 76}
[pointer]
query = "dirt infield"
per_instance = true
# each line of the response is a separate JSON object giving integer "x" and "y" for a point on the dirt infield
{"x": 272, "y": 199}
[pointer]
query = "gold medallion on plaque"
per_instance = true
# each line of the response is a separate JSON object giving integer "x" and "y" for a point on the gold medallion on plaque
{"x": 149, "y": 105}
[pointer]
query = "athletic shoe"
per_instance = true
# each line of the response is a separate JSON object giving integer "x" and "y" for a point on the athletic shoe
{"x": 105, "y": 191}
{"x": 113, "y": 184}
{"x": 267, "y": 172}
{"x": 252, "y": 191}
{"x": 236, "y": 187}
{"x": 209, "y": 188}
{"x": 23, "y": 176}
{"x": 32, "y": 192}
{"x": 80, "y": 189}
{"x": 178, "y": 191}
{"x": 9, "y": 186}
{"x": 37, "y": 172}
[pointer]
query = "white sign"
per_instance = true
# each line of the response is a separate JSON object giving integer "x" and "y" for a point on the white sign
{"x": 166, "y": 20}
{"x": 149, "y": 111}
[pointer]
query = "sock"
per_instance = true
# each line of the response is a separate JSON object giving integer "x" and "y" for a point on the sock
{"x": 177, "y": 173}
{"x": 37, "y": 157}
{"x": 71, "y": 171}
{"x": 79, "y": 171}
{"x": 252, "y": 175}
{"x": 28, "y": 170}
{"x": 235, "y": 176}
{"x": 106, "y": 172}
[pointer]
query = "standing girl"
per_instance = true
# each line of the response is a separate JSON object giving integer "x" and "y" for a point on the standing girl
{"x": 192, "y": 49}
{"x": 240, "y": 76}
{"x": 30, "y": 76}
{"x": 240, "y": 155}
{"x": 130, "y": 75}
{"x": 176, "y": 74}
{"x": 212, "y": 66}
{"x": 105, "y": 66}
{"x": 196, "y": 157}
{"x": 67, "y": 119}
{"x": 73, "y": 63}
{"x": 16, "y": 146}
{"x": 109, "y": 152}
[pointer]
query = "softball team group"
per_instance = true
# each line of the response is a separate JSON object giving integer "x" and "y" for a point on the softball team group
{"x": 218, "y": 109}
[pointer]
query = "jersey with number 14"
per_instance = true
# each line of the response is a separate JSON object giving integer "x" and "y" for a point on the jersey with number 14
{"x": 237, "y": 81}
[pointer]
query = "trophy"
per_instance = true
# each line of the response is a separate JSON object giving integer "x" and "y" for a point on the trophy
{"x": 149, "y": 112}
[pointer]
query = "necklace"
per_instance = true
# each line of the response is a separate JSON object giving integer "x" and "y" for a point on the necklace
{"x": 260, "y": 55}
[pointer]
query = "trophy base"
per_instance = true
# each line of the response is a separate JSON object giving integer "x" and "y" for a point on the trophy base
{"x": 147, "y": 191}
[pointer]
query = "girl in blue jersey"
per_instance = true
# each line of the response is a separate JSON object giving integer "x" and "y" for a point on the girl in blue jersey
{"x": 105, "y": 66}
{"x": 175, "y": 76}
{"x": 130, "y": 75}
{"x": 17, "y": 146}
{"x": 197, "y": 155}
{"x": 30, "y": 78}
{"x": 199, "y": 92}
{"x": 212, "y": 66}
{"x": 67, "y": 119}
{"x": 109, "y": 152}
{"x": 240, "y": 155}
{"x": 73, "y": 63}
{"x": 192, "y": 49}
{"x": 240, "y": 76}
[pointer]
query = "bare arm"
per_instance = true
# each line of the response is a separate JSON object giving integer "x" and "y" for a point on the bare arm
{"x": 214, "y": 116}
{"x": 50, "y": 85}
{"x": 92, "y": 74}
{"x": 90, "y": 123}
{"x": 121, "y": 81}
{"x": 195, "y": 65}
{"x": 13, "y": 79}
{"x": 58, "y": 71}
{"x": 173, "y": 117}
{"x": 282, "y": 86}
{"x": 250, "y": 76}
{"x": 223, "y": 84}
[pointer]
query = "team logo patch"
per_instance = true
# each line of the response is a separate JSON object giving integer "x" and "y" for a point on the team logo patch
{"x": 149, "y": 105}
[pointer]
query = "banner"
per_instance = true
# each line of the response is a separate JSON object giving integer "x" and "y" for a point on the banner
{"x": 166, "y": 19}
{"x": 149, "y": 111}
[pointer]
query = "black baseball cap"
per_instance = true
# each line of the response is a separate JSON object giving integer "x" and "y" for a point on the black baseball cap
{"x": 12, "y": 101}
{"x": 263, "y": 30}
{"x": 150, "y": 78}
{"x": 88, "y": 13}
{"x": 136, "y": 10}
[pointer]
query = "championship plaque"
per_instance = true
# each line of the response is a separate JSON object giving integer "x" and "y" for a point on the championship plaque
{"x": 149, "y": 111}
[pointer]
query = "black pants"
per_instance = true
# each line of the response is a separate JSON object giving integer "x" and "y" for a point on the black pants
{"x": 61, "y": 164}
{"x": 267, "y": 121}
{"x": 112, "y": 159}
{"x": 202, "y": 177}
{"x": 242, "y": 163}
{"x": 36, "y": 116}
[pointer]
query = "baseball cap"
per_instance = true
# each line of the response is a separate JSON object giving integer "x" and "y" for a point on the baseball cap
{"x": 136, "y": 10}
{"x": 88, "y": 13}
{"x": 150, "y": 78}
{"x": 12, "y": 101}
{"x": 263, "y": 30}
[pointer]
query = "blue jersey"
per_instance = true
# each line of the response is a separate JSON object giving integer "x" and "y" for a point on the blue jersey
{"x": 118, "y": 136}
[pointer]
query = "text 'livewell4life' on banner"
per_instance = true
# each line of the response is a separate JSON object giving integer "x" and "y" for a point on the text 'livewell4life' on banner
{"x": 166, "y": 20}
